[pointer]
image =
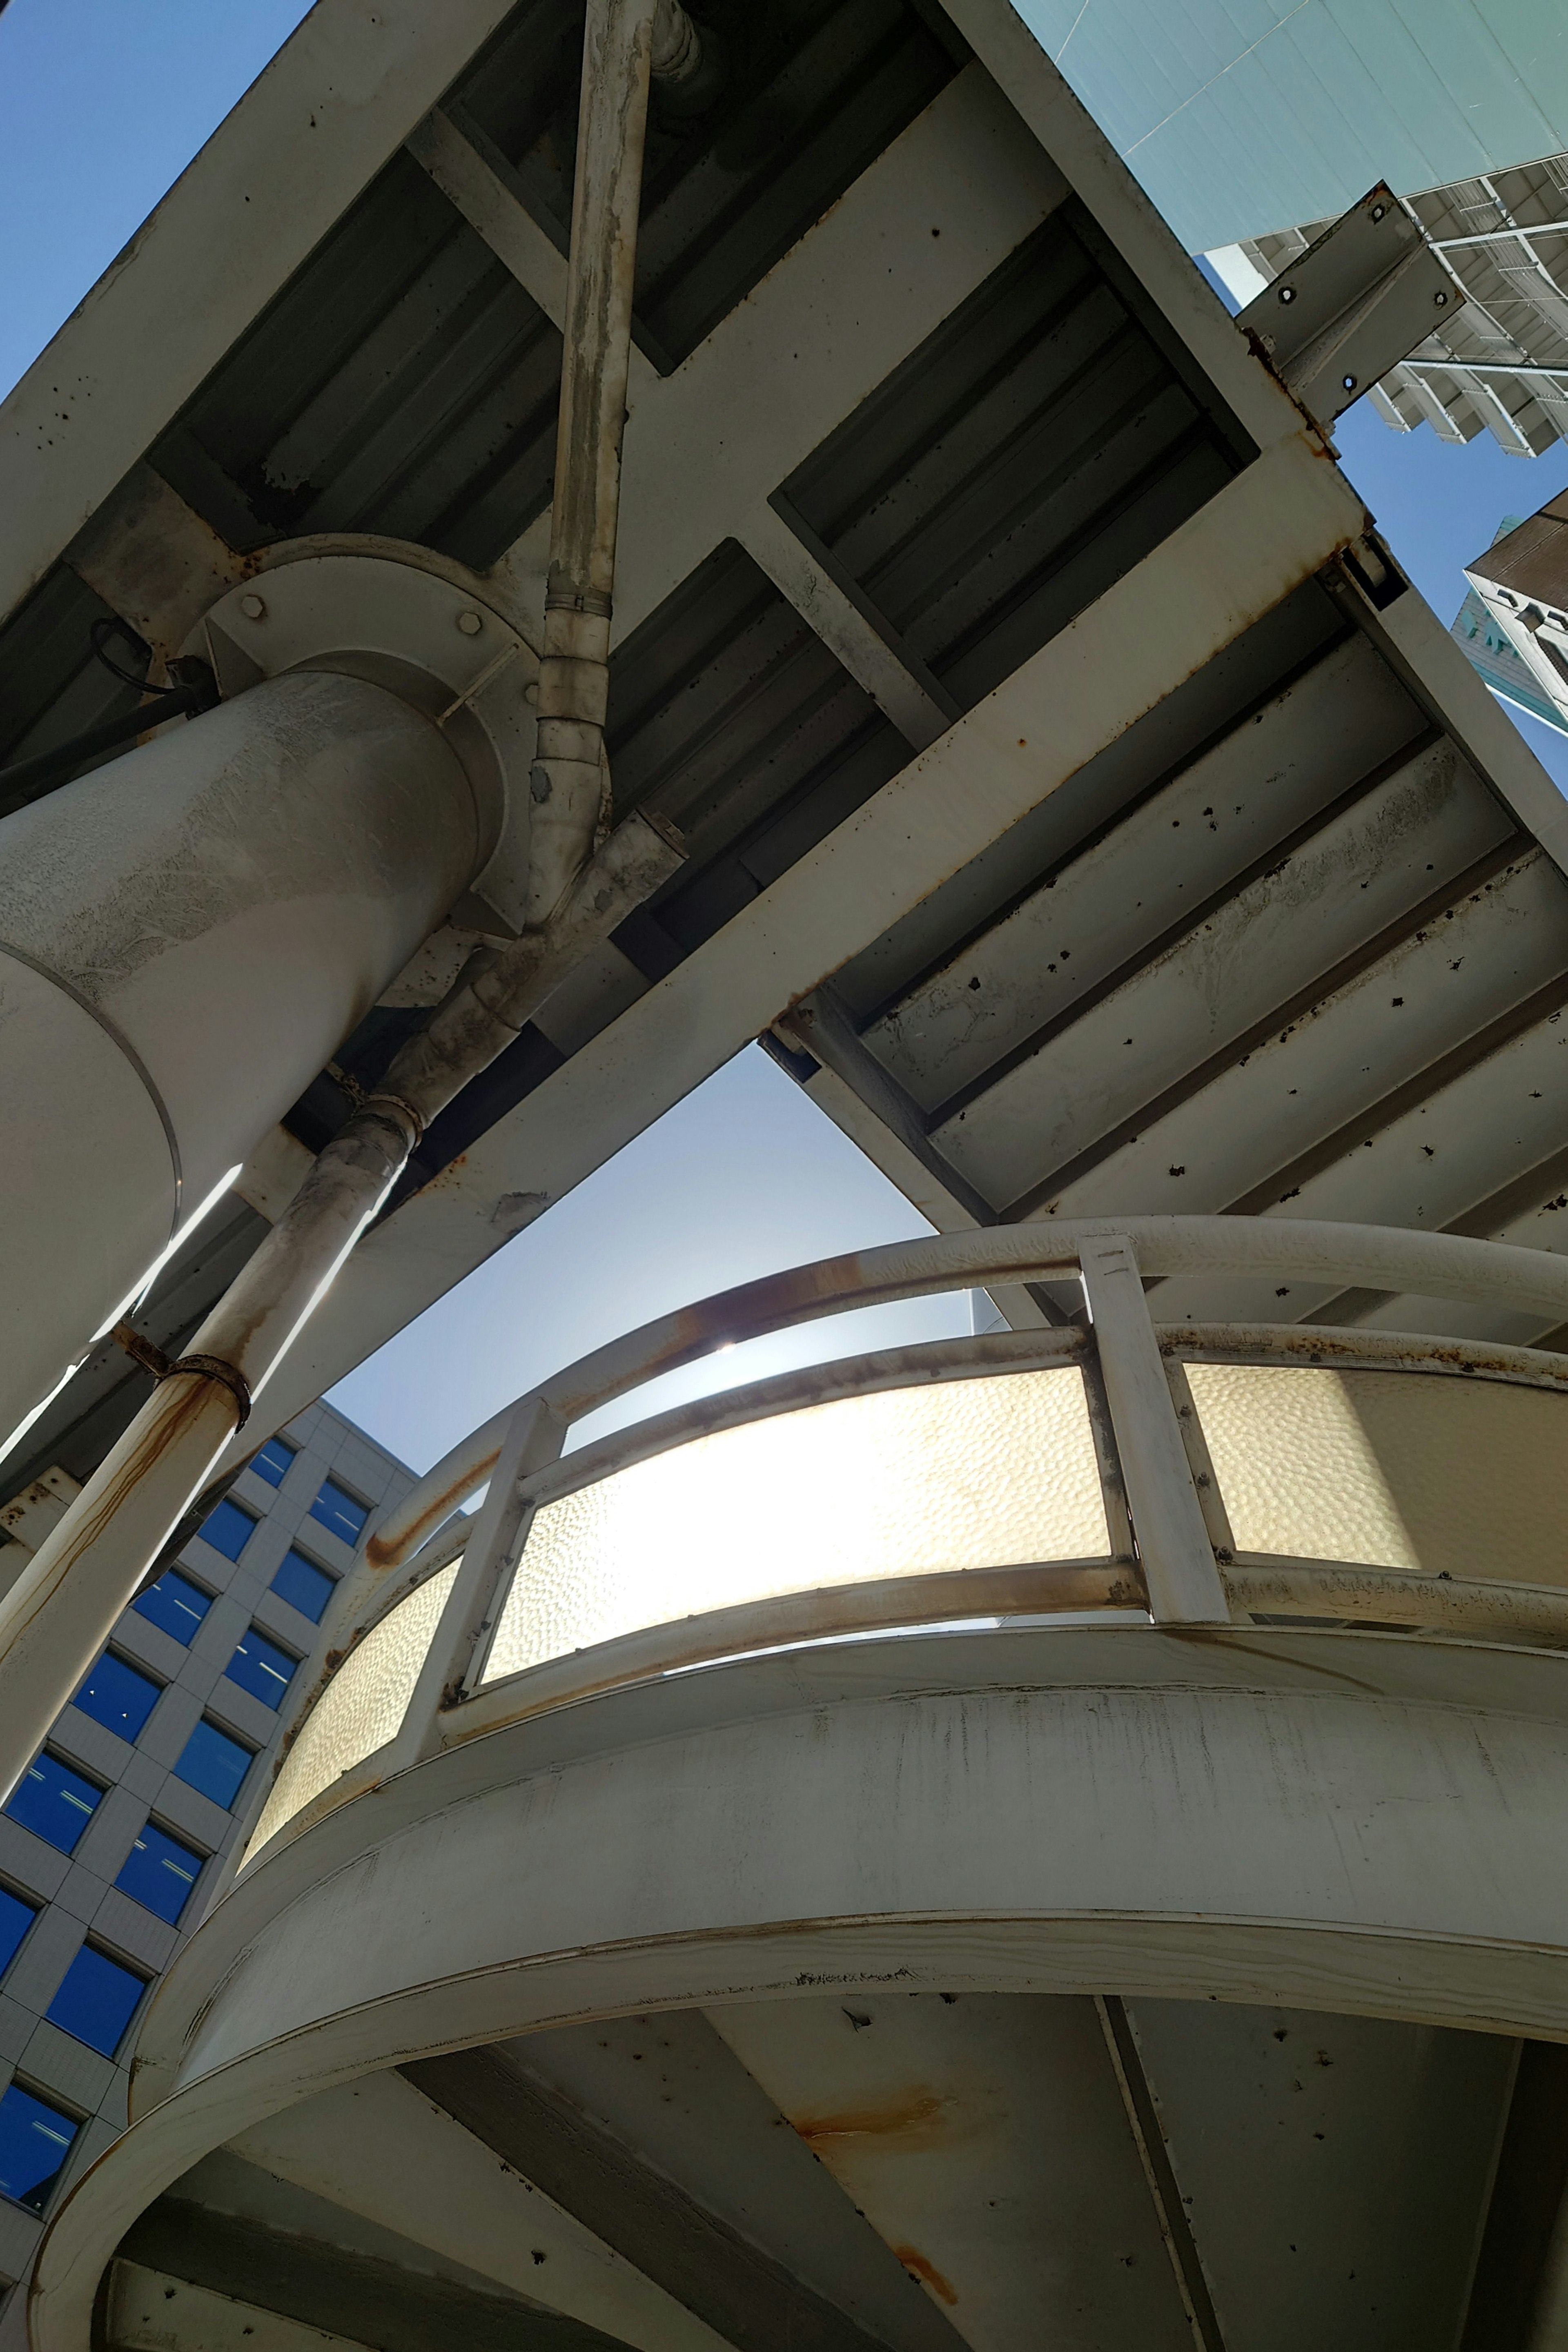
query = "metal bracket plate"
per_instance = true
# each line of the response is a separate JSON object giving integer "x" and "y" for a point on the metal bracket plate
{"x": 1353, "y": 306}
{"x": 388, "y": 615}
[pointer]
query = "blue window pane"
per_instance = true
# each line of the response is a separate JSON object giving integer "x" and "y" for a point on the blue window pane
{"x": 16, "y": 1918}
{"x": 304, "y": 1586}
{"x": 339, "y": 1512}
{"x": 174, "y": 1604}
{"x": 260, "y": 1667}
{"x": 34, "y": 2141}
{"x": 54, "y": 1802}
{"x": 229, "y": 1529}
{"x": 116, "y": 1695}
{"x": 213, "y": 1763}
{"x": 159, "y": 1872}
{"x": 96, "y": 2001}
{"x": 272, "y": 1461}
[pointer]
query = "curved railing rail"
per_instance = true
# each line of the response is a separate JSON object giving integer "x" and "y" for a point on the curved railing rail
{"x": 1178, "y": 1485}
{"x": 1431, "y": 1265}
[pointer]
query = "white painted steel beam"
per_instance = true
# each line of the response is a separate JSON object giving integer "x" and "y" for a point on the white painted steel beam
{"x": 1330, "y": 1069}
{"x": 707, "y": 445}
{"x": 1008, "y": 2212}
{"x": 1272, "y": 527}
{"x": 339, "y": 98}
{"x": 1428, "y": 656}
{"x": 477, "y": 183}
{"x": 385, "y": 2151}
{"x": 1094, "y": 916}
{"x": 474, "y": 181}
{"x": 848, "y": 625}
{"x": 674, "y": 2094}
{"x": 1211, "y": 993}
{"x": 1079, "y": 149}
{"x": 152, "y": 2311}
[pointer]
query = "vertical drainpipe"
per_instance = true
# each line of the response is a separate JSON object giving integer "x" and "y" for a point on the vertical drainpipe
{"x": 625, "y": 43}
{"x": 63, "y": 1607}
{"x": 568, "y": 778}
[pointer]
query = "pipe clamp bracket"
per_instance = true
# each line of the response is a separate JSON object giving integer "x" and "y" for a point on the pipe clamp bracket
{"x": 229, "y": 1376}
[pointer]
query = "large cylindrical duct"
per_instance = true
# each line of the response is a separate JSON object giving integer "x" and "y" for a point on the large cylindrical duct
{"x": 186, "y": 935}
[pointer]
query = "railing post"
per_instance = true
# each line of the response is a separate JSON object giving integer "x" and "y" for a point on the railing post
{"x": 1179, "y": 1568}
{"x": 535, "y": 1435}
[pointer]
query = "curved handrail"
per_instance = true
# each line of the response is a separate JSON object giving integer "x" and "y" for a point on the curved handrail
{"x": 1379, "y": 1257}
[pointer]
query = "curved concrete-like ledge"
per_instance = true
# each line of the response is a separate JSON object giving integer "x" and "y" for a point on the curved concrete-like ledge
{"x": 1354, "y": 1822}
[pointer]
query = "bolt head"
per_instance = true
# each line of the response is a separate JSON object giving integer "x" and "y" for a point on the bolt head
{"x": 1441, "y": 297}
{"x": 253, "y": 606}
{"x": 1286, "y": 293}
{"x": 470, "y": 624}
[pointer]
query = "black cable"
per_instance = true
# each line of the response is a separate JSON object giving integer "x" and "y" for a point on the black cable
{"x": 99, "y": 635}
{"x": 28, "y": 779}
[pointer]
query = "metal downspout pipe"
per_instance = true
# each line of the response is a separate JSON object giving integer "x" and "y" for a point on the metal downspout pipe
{"x": 625, "y": 44}
{"x": 63, "y": 1607}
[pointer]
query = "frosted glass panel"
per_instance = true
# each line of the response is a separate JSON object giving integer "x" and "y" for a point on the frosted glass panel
{"x": 994, "y": 1473}
{"x": 361, "y": 1707}
{"x": 1405, "y": 1470}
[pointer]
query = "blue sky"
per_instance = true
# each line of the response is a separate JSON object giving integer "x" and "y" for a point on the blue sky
{"x": 102, "y": 103}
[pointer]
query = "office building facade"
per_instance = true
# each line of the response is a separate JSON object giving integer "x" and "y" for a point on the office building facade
{"x": 112, "y": 1844}
{"x": 1520, "y": 586}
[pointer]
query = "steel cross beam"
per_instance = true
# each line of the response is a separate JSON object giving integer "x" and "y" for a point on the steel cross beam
{"x": 1276, "y": 525}
{"x": 336, "y": 102}
{"x": 475, "y": 180}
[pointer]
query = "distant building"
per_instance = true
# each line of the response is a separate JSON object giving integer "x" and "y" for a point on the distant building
{"x": 1239, "y": 129}
{"x": 1500, "y": 363}
{"x": 1252, "y": 141}
{"x": 1519, "y": 587}
{"x": 1493, "y": 654}
{"x": 112, "y": 1843}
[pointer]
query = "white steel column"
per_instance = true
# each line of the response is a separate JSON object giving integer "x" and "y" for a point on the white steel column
{"x": 65, "y": 1601}
{"x": 189, "y": 933}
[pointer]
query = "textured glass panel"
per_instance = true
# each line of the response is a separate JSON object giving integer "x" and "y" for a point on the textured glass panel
{"x": 361, "y": 1707}
{"x": 1402, "y": 1470}
{"x": 992, "y": 1473}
